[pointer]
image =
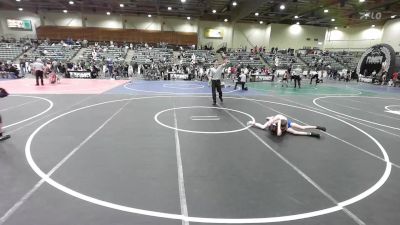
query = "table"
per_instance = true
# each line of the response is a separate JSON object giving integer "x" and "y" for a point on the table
{"x": 80, "y": 74}
{"x": 260, "y": 77}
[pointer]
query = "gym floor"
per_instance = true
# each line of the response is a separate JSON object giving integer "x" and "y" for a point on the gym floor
{"x": 152, "y": 153}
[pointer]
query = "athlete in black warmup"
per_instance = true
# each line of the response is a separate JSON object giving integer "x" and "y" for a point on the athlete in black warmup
{"x": 314, "y": 76}
{"x": 279, "y": 125}
{"x": 3, "y": 93}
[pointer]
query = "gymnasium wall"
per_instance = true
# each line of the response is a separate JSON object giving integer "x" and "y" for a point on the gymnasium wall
{"x": 391, "y": 34}
{"x": 226, "y": 28}
{"x": 235, "y": 35}
{"x": 11, "y": 33}
{"x": 353, "y": 38}
{"x": 250, "y": 34}
{"x": 57, "y": 19}
{"x": 295, "y": 36}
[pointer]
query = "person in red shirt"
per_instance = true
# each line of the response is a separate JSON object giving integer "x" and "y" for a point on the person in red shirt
{"x": 395, "y": 78}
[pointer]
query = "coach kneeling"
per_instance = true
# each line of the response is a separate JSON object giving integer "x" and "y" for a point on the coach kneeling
{"x": 242, "y": 80}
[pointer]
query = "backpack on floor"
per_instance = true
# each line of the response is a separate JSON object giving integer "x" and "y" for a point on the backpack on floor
{"x": 3, "y": 93}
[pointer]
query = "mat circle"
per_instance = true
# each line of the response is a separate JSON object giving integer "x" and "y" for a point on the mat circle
{"x": 203, "y": 132}
{"x": 339, "y": 206}
{"x": 51, "y": 104}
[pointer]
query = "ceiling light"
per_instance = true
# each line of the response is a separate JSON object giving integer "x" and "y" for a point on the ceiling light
{"x": 20, "y": 9}
{"x": 65, "y": 11}
{"x": 18, "y": 0}
{"x": 319, "y": 43}
{"x": 108, "y": 13}
{"x": 234, "y": 3}
{"x": 121, "y": 5}
{"x": 183, "y": 1}
{"x": 335, "y": 28}
{"x": 188, "y": 18}
{"x": 149, "y": 15}
{"x": 362, "y": 0}
{"x": 71, "y": 2}
{"x": 394, "y": 16}
{"x": 256, "y": 14}
{"x": 214, "y": 11}
{"x": 282, "y": 7}
{"x": 326, "y": 10}
{"x": 298, "y": 23}
{"x": 372, "y": 25}
{"x": 261, "y": 22}
{"x": 333, "y": 20}
{"x": 225, "y": 20}
{"x": 169, "y": 8}
{"x": 296, "y": 17}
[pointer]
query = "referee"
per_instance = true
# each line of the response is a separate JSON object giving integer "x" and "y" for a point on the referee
{"x": 38, "y": 67}
{"x": 215, "y": 76}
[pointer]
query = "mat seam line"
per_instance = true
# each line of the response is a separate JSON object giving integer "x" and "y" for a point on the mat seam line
{"x": 181, "y": 180}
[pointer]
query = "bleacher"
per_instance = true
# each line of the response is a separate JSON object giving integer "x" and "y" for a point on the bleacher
{"x": 205, "y": 57}
{"x": 113, "y": 53}
{"x": 245, "y": 59}
{"x": 56, "y": 52}
{"x": 157, "y": 55}
{"x": 349, "y": 59}
{"x": 285, "y": 60}
{"x": 316, "y": 60}
{"x": 10, "y": 51}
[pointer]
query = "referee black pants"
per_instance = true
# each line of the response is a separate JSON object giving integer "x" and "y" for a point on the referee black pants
{"x": 216, "y": 86}
{"x": 316, "y": 79}
{"x": 39, "y": 74}
{"x": 296, "y": 79}
{"x": 242, "y": 83}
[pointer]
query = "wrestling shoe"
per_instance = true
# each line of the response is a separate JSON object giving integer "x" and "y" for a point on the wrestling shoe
{"x": 5, "y": 137}
{"x": 316, "y": 135}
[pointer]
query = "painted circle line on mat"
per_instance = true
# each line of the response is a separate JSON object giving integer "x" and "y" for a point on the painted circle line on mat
{"x": 126, "y": 86}
{"x": 203, "y": 132}
{"x": 115, "y": 206}
{"x": 32, "y": 117}
{"x": 356, "y": 118}
{"x": 183, "y": 86}
{"x": 388, "y": 107}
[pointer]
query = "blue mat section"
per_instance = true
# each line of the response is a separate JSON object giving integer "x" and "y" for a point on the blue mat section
{"x": 173, "y": 88}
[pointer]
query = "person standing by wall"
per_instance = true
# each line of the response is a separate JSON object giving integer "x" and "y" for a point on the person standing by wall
{"x": 215, "y": 76}
{"x": 38, "y": 67}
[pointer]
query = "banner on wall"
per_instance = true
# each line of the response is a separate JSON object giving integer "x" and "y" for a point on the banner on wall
{"x": 378, "y": 58}
{"x": 19, "y": 24}
{"x": 214, "y": 33}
